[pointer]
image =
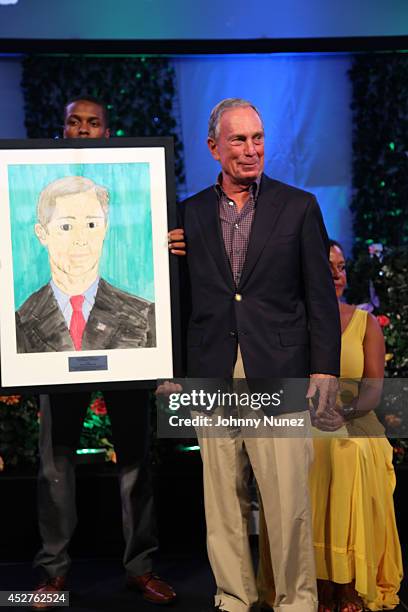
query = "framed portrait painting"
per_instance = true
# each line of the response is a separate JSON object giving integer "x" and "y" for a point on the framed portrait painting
{"x": 88, "y": 297}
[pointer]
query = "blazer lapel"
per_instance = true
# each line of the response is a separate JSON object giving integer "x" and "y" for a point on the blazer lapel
{"x": 49, "y": 323}
{"x": 211, "y": 228}
{"x": 268, "y": 209}
{"x": 102, "y": 323}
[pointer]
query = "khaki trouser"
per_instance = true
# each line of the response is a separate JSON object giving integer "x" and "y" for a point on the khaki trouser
{"x": 281, "y": 468}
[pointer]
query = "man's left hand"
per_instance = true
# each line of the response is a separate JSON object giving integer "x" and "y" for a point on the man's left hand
{"x": 325, "y": 386}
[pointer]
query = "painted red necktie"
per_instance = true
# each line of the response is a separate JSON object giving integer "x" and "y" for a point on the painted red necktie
{"x": 77, "y": 325}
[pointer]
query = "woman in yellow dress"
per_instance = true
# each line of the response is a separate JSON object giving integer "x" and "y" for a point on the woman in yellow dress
{"x": 352, "y": 480}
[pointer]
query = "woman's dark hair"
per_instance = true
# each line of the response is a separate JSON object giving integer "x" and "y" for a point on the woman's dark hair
{"x": 334, "y": 243}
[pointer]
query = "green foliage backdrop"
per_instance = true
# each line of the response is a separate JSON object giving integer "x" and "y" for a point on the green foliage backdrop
{"x": 380, "y": 202}
{"x": 389, "y": 278}
{"x": 380, "y": 149}
{"x": 139, "y": 92}
{"x": 19, "y": 430}
{"x": 380, "y": 206}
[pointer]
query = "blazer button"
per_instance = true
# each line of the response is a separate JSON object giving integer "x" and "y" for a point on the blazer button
{"x": 232, "y": 334}
{"x": 238, "y": 297}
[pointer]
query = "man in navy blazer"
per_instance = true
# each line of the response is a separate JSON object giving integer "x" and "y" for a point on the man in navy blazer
{"x": 262, "y": 306}
{"x": 281, "y": 310}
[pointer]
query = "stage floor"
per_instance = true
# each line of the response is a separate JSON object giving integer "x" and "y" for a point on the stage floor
{"x": 97, "y": 585}
{"x": 97, "y": 578}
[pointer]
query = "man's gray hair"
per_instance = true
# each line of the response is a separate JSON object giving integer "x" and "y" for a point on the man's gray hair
{"x": 221, "y": 107}
{"x": 69, "y": 185}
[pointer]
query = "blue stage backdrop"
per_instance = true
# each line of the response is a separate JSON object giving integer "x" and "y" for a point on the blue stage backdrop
{"x": 305, "y": 104}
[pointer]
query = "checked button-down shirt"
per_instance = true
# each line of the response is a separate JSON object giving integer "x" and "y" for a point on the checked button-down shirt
{"x": 236, "y": 226}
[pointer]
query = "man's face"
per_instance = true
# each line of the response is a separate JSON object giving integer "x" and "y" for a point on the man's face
{"x": 85, "y": 120}
{"x": 239, "y": 146}
{"x": 74, "y": 236}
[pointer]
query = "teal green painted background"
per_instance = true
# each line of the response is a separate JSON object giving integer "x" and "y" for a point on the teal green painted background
{"x": 127, "y": 260}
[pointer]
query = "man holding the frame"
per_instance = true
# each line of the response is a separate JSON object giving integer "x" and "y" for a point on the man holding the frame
{"x": 61, "y": 422}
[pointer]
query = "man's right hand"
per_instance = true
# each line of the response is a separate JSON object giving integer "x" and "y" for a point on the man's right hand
{"x": 176, "y": 241}
{"x": 323, "y": 391}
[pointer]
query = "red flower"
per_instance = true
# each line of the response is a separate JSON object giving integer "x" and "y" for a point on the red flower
{"x": 383, "y": 320}
{"x": 10, "y": 400}
{"x": 392, "y": 420}
{"x": 98, "y": 406}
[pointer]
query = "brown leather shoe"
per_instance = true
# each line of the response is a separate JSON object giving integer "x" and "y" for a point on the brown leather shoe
{"x": 49, "y": 585}
{"x": 152, "y": 588}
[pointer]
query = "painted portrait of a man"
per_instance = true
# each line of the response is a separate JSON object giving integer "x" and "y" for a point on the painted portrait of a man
{"x": 78, "y": 310}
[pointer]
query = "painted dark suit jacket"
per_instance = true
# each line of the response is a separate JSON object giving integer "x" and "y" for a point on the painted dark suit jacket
{"x": 117, "y": 320}
{"x": 284, "y": 313}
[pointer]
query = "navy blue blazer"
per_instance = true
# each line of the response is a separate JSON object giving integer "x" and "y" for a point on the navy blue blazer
{"x": 284, "y": 312}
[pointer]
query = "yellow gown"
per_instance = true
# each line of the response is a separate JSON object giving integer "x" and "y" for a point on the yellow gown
{"x": 352, "y": 481}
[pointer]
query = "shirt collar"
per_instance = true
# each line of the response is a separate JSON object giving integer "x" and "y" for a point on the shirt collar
{"x": 254, "y": 187}
{"x": 63, "y": 299}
